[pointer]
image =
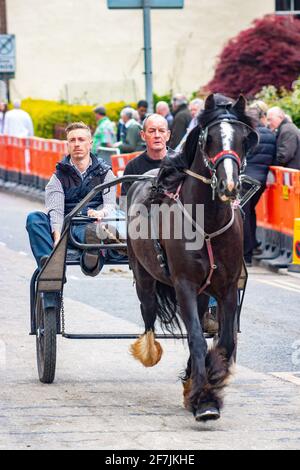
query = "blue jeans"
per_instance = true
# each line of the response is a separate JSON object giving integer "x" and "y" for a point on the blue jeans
{"x": 39, "y": 231}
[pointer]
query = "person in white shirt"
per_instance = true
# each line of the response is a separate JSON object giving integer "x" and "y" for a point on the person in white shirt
{"x": 18, "y": 122}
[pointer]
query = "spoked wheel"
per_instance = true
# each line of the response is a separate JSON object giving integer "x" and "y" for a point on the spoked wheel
{"x": 46, "y": 329}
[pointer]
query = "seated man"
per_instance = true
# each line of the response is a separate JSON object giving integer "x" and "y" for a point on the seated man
{"x": 75, "y": 176}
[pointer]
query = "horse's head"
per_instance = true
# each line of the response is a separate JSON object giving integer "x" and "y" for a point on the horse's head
{"x": 225, "y": 138}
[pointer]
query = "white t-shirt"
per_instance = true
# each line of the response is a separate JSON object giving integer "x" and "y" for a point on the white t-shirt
{"x": 18, "y": 123}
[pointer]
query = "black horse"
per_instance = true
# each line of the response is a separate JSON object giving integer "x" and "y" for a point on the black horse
{"x": 205, "y": 173}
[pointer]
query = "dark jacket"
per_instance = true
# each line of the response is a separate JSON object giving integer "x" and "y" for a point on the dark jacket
{"x": 76, "y": 188}
{"x": 262, "y": 156}
{"x": 288, "y": 145}
{"x": 138, "y": 166}
{"x": 182, "y": 118}
{"x": 133, "y": 140}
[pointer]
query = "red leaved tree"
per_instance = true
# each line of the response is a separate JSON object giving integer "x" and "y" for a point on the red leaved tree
{"x": 268, "y": 53}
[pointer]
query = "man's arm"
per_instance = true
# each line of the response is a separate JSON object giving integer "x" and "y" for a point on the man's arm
{"x": 109, "y": 200}
{"x": 287, "y": 144}
{"x": 55, "y": 206}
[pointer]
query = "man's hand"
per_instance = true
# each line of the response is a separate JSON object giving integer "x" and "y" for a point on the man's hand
{"x": 56, "y": 237}
{"x": 96, "y": 214}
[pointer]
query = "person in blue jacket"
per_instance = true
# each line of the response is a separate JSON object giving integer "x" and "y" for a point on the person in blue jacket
{"x": 258, "y": 161}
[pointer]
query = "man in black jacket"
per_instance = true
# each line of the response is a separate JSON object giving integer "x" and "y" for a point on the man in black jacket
{"x": 287, "y": 138}
{"x": 182, "y": 119}
{"x": 258, "y": 161}
{"x": 156, "y": 135}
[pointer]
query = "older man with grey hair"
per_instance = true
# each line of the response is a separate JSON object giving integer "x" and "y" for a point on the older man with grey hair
{"x": 163, "y": 109}
{"x": 195, "y": 107}
{"x": 182, "y": 119}
{"x": 287, "y": 138}
{"x": 132, "y": 141}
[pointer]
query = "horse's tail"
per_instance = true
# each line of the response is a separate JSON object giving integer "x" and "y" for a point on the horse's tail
{"x": 218, "y": 374}
{"x": 167, "y": 308}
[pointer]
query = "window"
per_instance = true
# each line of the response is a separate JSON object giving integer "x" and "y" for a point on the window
{"x": 286, "y": 7}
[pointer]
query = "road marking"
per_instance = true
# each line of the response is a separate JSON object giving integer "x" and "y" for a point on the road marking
{"x": 288, "y": 376}
{"x": 288, "y": 283}
{"x": 287, "y": 286}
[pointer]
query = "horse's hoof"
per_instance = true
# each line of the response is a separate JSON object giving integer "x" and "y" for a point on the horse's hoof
{"x": 207, "y": 414}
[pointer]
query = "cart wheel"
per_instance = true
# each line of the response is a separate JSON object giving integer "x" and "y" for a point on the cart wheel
{"x": 46, "y": 329}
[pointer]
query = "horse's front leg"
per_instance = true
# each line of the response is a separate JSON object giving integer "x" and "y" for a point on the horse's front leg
{"x": 194, "y": 387}
{"x": 202, "y": 305}
{"x": 228, "y": 323}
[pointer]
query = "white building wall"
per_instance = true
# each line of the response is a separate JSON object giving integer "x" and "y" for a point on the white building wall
{"x": 81, "y": 49}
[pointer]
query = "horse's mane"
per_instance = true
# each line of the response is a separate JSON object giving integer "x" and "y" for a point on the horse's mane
{"x": 171, "y": 172}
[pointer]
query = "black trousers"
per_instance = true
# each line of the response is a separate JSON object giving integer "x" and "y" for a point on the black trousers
{"x": 250, "y": 241}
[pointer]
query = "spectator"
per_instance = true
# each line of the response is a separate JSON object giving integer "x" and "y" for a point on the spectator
{"x": 163, "y": 109}
{"x": 142, "y": 109}
{"x": 182, "y": 119}
{"x": 18, "y": 123}
{"x": 258, "y": 161}
{"x": 133, "y": 141}
{"x": 121, "y": 129}
{"x": 3, "y": 110}
{"x": 195, "y": 108}
{"x": 104, "y": 135}
{"x": 287, "y": 138}
{"x": 156, "y": 135}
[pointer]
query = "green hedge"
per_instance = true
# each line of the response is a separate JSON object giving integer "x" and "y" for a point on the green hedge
{"x": 288, "y": 101}
{"x": 47, "y": 115}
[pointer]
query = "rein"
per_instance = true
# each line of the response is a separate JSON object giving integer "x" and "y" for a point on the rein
{"x": 207, "y": 236}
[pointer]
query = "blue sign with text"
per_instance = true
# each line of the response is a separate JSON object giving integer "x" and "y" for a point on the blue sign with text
{"x": 118, "y": 4}
{"x": 7, "y": 55}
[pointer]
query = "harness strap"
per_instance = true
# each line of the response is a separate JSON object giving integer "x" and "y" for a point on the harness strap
{"x": 207, "y": 236}
{"x": 199, "y": 177}
{"x": 212, "y": 265}
{"x": 176, "y": 195}
{"x": 223, "y": 154}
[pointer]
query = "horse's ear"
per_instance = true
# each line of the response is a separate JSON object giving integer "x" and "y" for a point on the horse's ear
{"x": 240, "y": 104}
{"x": 210, "y": 102}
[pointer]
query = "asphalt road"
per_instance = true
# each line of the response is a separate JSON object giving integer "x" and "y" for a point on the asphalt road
{"x": 104, "y": 399}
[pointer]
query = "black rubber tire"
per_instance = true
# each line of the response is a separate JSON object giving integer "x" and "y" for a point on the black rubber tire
{"x": 46, "y": 323}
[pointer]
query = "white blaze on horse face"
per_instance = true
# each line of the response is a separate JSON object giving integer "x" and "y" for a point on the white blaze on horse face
{"x": 227, "y": 132}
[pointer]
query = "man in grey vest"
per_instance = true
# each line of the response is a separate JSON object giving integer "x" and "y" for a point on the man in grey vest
{"x": 75, "y": 176}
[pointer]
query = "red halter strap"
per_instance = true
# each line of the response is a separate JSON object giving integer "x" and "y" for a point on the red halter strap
{"x": 214, "y": 160}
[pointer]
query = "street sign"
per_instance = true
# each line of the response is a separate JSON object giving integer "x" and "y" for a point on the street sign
{"x": 7, "y": 55}
{"x": 146, "y": 6}
{"x": 141, "y": 3}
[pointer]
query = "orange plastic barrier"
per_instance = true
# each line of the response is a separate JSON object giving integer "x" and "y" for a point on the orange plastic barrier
{"x": 119, "y": 162}
{"x": 279, "y": 205}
